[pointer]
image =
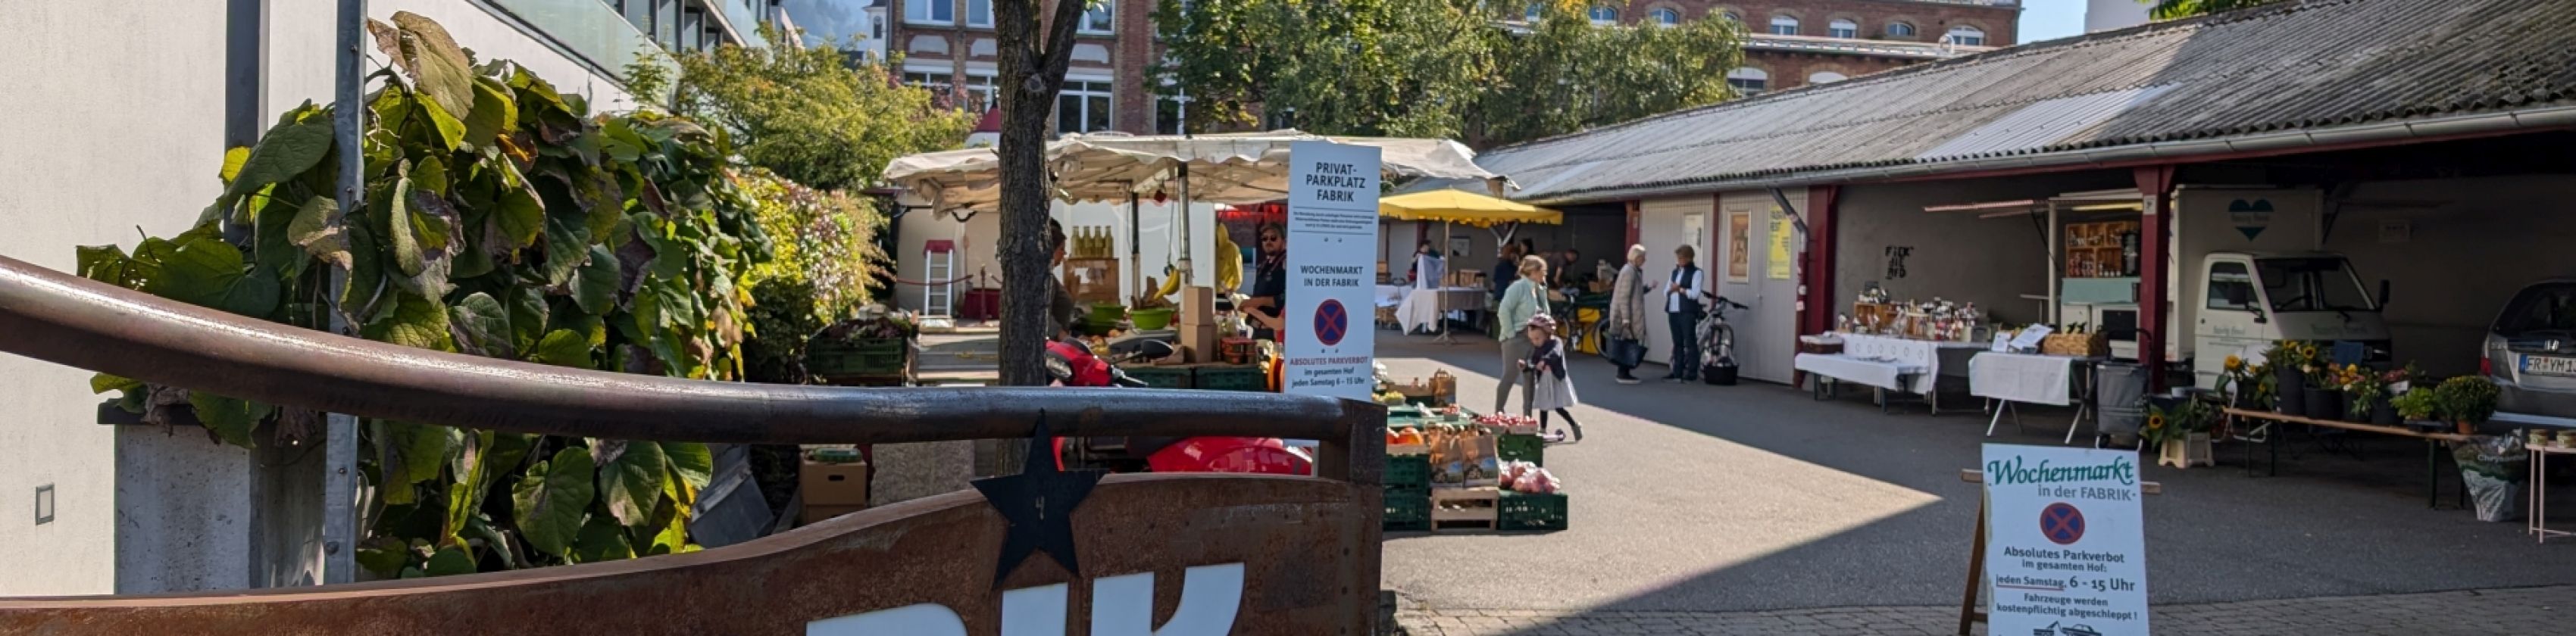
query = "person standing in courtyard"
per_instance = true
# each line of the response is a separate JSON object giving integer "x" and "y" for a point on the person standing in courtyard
{"x": 1550, "y": 387}
{"x": 1627, "y": 320}
{"x": 1526, "y": 297}
{"x": 1684, "y": 302}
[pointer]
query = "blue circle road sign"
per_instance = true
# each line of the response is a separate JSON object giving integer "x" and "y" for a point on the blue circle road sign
{"x": 2061, "y": 523}
{"x": 1331, "y": 322}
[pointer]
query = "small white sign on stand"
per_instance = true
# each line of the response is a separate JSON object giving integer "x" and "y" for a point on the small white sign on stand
{"x": 1330, "y": 339}
{"x": 2065, "y": 542}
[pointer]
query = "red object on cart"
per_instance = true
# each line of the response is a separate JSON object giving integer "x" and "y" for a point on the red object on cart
{"x": 1261, "y": 455}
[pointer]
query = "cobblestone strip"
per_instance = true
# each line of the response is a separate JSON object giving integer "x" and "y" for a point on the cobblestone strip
{"x": 2535, "y": 610}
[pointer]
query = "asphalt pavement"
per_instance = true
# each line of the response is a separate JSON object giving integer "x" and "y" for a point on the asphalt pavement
{"x": 1693, "y": 498}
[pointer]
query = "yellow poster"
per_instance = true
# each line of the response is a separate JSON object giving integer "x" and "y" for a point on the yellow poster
{"x": 1781, "y": 233}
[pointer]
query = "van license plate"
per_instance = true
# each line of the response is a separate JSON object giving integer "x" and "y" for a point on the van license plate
{"x": 2549, "y": 365}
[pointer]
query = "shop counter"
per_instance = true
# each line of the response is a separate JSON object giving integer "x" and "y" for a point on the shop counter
{"x": 1421, "y": 307}
{"x": 2029, "y": 378}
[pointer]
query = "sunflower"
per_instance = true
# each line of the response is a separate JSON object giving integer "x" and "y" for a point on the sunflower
{"x": 2235, "y": 363}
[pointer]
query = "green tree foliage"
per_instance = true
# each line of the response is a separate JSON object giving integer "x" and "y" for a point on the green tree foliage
{"x": 809, "y": 114}
{"x": 2171, "y": 9}
{"x": 501, "y": 220}
{"x": 1433, "y": 68}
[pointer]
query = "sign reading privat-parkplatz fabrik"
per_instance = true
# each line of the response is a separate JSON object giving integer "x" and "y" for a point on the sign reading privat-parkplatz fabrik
{"x": 2065, "y": 542}
{"x": 1332, "y": 257}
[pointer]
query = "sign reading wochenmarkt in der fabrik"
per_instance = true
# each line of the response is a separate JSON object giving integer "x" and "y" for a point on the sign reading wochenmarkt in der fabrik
{"x": 1332, "y": 268}
{"x": 2065, "y": 542}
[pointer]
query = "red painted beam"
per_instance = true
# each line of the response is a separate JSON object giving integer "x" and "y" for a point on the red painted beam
{"x": 1816, "y": 289}
{"x": 2155, "y": 186}
{"x": 1632, "y": 228}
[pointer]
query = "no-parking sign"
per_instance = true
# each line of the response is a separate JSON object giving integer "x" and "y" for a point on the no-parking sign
{"x": 1332, "y": 267}
{"x": 2065, "y": 542}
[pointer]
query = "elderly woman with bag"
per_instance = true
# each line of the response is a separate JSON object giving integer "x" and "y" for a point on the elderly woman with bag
{"x": 1625, "y": 329}
{"x": 1526, "y": 297}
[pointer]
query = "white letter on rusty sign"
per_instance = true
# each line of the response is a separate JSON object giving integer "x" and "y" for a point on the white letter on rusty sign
{"x": 1034, "y": 611}
{"x": 926, "y": 619}
{"x": 1210, "y": 594}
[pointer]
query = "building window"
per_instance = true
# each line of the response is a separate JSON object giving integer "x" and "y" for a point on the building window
{"x": 1842, "y": 29}
{"x": 1748, "y": 81}
{"x": 1784, "y": 25}
{"x": 1604, "y": 14}
{"x": 941, "y": 87}
{"x": 1967, "y": 36}
{"x": 1900, "y": 29}
{"x": 1734, "y": 17}
{"x": 930, "y": 11}
{"x": 1168, "y": 115}
{"x": 1667, "y": 17}
{"x": 1099, "y": 19}
{"x": 1534, "y": 12}
{"x": 979, "y": 93}
{"x": 1824, "y": 77}
{"x": 979, "y": 13}
{"x": 1082, "y": 107}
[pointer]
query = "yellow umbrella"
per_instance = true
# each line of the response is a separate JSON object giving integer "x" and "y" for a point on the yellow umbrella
{"x": 1464, "y": 208}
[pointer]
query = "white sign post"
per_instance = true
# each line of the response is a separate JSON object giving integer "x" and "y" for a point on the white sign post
{"x": 2065, "y": 542}
{"x": 1331, "y": 336}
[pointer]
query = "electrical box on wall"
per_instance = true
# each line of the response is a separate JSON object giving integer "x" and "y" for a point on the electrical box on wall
{"x": 44, "y": 504}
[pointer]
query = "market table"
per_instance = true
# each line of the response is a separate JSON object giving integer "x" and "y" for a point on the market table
{"x": 1930, "y": 361}
{"x": 2538, "y": 512}
{"x": 2030, "y": 378}
{"x": 1421, "y": 308}
{"x": 1880, "y": 375}
{"x": 2264, "y": 435}
{"x": 1388, "y": 299}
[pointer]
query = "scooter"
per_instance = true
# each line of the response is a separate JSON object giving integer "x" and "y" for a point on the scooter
{"x": 1073, "y": 364}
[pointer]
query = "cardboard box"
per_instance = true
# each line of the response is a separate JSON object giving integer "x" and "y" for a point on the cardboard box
{"x": 1198, "y": 306}
{"x": 1200, "y": 340}
{"x": 814, "y": 513}
{"x": 833, "y": 484}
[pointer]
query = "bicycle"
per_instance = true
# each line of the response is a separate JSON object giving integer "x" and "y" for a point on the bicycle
{"x": 1717, "y": 341}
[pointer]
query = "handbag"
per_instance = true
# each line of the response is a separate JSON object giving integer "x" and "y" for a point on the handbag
{"x": 1626, "y": 353}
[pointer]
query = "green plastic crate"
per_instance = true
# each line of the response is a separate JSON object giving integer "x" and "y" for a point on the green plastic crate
{"x": 1409, "y": 513}
{"x": 1527, "y": 448}
{"x": 856, "y": 358}
{"x": 1160, "y": 377}
{"x": 1229, "y": 378}
{"x": 1408, "y": 471}
{"x": 1529, "y": 512}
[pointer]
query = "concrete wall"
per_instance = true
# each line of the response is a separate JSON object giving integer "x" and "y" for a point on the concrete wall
{"x": 2453, "y": 251}
{"x": 1955, "y": 255}
{"x": 116, "y": 122}
{"x": 298, "y": 50}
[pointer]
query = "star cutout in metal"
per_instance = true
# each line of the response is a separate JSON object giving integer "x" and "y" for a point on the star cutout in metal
{"x": 1039, "y": 504}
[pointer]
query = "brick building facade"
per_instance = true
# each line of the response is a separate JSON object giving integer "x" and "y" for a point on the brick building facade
{"x": 950, "y": 45}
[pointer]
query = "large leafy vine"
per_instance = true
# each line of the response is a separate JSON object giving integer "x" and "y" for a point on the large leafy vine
{"x": 502, "y": 220}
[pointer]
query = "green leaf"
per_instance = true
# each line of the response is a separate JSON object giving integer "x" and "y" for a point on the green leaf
{"x": 670, "y": 529}
{"x": 450, "y": 560}
{"x": 312, "y": 230}
{"x": 433, "y": 223}
{"x": 631, "y": 480}
{"x": 527, "y": 318}
{"x": 594, "y": 285}
{"x": 289, "y": 149}
{"x": 102, "y": 383}
{"x": 518, "y": 219}
{"x": 430, "y": 175}
{"x": 564, "y": 348}
{"x": 437, "y": 64}
{"x": 233, "y": 160}
{"x": 106, "y": 264}
{"x": 472, "y": 475}
{"x": 385, "y": 556}
{"x": 410, "y": 321}
{"x": 493, "y": 113}
{"x": 692, "y": 463}
{"x": 482, "y": 326}
{"x": 550, "y": 501}
{"x": 367, "y": 296}
{"x": 232, "y": 420}
{"x": 601, "y": 540}
{"x": 451, "y": 133}
{"x": 255, "y": 294}
{"x": 275, "y": 248}
{"x": 400, "y": 229}
{"x": 200, "y": 270}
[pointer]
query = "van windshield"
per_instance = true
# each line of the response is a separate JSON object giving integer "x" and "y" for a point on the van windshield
{"x": 2540, "y": 308}
{"x": 2320, "y": 283}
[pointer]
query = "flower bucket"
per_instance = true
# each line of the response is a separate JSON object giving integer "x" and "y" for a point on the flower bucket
{"x": 2322, "y": 404}
{"x": 2289, "y": 383}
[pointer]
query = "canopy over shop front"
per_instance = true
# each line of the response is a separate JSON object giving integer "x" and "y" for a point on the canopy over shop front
{"x": 1237, "y": 168}
{"x": 1463, "y": 208}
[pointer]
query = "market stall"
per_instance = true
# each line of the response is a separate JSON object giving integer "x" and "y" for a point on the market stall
{"x": 1916, "y": 348}
{"x": 1450, "y": 470}
{"x": 1433, "y": 299}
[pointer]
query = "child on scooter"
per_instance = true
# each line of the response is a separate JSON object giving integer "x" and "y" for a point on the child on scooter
{"x": 1551, "y": 389}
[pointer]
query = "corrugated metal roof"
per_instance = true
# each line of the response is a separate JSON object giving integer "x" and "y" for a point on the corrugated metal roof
{"x": 2297, "y": 66}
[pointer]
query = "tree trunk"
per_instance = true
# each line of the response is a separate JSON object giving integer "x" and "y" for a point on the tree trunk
{"x": 1033, "y": 59}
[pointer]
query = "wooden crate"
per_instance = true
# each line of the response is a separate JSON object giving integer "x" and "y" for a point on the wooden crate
{"x": 1464, "y": 508}
{"x": 1092, "y": 280}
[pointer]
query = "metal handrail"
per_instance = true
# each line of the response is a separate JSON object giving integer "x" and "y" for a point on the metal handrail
{"x": 74, "y": 321}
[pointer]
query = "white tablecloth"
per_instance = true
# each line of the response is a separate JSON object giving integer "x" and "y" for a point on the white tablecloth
{"x": 2022, "y": 377}
{"x": 1845, "y": 368}
{"x": 1920, "y": 354}
{"x": 1421, "y": 307}
{"x": 1391, "y": 295}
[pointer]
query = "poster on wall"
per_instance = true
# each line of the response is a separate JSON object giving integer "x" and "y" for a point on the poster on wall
{"x": 1739, "y": 252}
{"x": 1781, "y": 231}
{"x": 1332, "y": 239}
{"x": 2065, "y": 541}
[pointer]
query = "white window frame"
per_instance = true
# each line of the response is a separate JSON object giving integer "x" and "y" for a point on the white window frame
{"x": 981, "y": 85}
{"x": 984, "y": 20}
{"x": 1731, "y": 16}
{"x": 1841, "y": 28}
{"x": 1960, "y": 35}
{"x": 1825, "y": 77}
{"x": 1602, "y": 14}
{"x": 1081, "y": 88}
{"x": 1908, "y": 27}
{"x": 1657, "y": 16}
{"x": 1749, "y": 75}
{"x": 925, "y": 12}
{"x": 1781, "y": 21}
{"x": 1107, "y": 19}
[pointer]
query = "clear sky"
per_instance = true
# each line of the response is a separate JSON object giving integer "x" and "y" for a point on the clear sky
{"x": 2051, "y": 19}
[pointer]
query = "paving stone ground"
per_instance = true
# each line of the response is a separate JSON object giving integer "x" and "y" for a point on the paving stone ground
{"x": 2534, "y": 610}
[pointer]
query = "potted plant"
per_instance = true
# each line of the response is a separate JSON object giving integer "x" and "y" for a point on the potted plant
{"x": 2352, "y": 382}
{"x": 2180, "y": 432}
{"x": 2290, "y": 361}
{"x": 2239, "y": 379}
{"x": 2321, "y": 395}
{"x": 2420, "y": 408}
{"x": 2467, "y": 401}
